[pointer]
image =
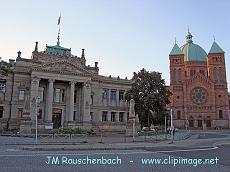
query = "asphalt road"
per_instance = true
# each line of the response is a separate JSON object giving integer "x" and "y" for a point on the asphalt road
{"x": 159, "y": 159}
{"x": 13, "y": 160}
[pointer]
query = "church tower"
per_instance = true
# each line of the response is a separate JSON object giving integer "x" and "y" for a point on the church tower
{"x": 177, "y": 76}
{"x": 217, "y": 74}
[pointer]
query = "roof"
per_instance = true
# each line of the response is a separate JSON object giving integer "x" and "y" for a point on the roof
{"x": 58, "y": 50}
{"x": 176, "y": 50}
{"x": 193, "y": 52}
{"x": 216, "y": 48}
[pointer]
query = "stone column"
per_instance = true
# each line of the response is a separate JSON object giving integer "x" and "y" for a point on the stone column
{"x": 117, "y": 98}
{"x": 71, "y": 101}
{"x": 33, "y": 95}
{"x": 49, "y": 104}
{"x": 109, "y": 101}
{"x": 125, "y": 116}
{"x": 117, "y": 116}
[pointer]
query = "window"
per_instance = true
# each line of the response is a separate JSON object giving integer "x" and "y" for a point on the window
{"x": 178, "y": 114}
{"x": 59, "y": 95}
{"x": 121, "y": 117}
{"x": 75, "y": 96}
{"x": 91, "y": 99}
{"x": 62, "y": 98}
{"x": 113, "y": 95}
{"x": 121, "y": 95}
{"x": 179, "y": 75}
{"x": 20, "y": 112}
{"x": 1, "y": 111}
{"x": 91, "y": 116}
{"x": 74, "y": 115}
{"x": 104, "y": 116}
{"x": 21, "y": 95}
{"x": 215, "y": 73}
{"x": 192, "y": 72}
{"x": 220, "y": 74}
{"x": 105, "y": 94}
{"x": 41, "y": 93}
{"x": 220, "y": 114}
{"x": 2, "y": 87}
{"x": 174, "y": 75}
{"x": 199, "y": 95}
{"x": 113, "y": 116}
{"x": 202, "y": 72}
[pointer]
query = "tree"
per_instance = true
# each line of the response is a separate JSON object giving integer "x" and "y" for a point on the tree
{"x": 151, "y": 97}
{"x": 5, "y": 68}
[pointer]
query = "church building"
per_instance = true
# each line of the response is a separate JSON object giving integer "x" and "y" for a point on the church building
{"x": 199, "y": 86}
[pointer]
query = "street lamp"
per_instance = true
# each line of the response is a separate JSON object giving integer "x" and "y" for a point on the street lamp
{"x": 37, "y": 106}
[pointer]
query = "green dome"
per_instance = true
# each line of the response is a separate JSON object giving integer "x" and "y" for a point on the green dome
{"x": 193, "y": 52}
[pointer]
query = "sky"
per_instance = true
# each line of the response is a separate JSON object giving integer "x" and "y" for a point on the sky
{"x": 124, "y": 36}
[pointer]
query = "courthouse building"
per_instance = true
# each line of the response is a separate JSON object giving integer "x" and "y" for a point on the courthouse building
{"x": 71, "y": 93}
{"x": 199, "y": 86}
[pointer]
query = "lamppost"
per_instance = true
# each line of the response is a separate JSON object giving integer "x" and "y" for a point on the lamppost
{"x": 37, "y": 106}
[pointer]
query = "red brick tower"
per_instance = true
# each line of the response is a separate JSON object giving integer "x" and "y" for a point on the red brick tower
{"x": 217, "y": 74}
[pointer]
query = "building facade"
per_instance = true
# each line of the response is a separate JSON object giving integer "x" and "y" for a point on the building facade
{"x": 63, "y": 91}
{"x": 199, "y": 86}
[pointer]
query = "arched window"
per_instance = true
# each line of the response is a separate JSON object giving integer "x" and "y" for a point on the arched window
{"x": 215, "y": 73}
{"x": 220, "y": 74}
{"x": 174, "y": 75}
{"x": 220, "y": 114}
{"x": 179, "y": 75}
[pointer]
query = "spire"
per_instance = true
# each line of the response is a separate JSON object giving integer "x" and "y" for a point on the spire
{"x": 215, "y": 48}
{"x": 176, "y": 50}
{"x": 189, "y": 37}
{"x": 83, "y": 53}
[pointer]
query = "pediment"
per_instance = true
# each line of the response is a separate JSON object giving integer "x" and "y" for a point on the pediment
{"x": 63, "y": 67}
{"x": 201, "y": 79}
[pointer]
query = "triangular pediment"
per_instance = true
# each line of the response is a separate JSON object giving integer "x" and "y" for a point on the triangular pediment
{"x": 63, "y": 67}
{"x": 200, "y": 78}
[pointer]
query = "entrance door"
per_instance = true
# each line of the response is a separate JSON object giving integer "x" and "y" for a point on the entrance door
{"x": 199, "y": 123}
{"x": 191, "y": 123}
{"x": 208, "y": 123}
{"x": 56, "y": 118}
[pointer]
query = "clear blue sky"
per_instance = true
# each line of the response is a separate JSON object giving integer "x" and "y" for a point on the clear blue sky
{"x": 122, "y": 35}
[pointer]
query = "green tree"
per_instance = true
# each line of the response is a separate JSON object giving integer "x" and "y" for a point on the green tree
{"x": 5, "y": 68}
{"x": 151, "y": 96}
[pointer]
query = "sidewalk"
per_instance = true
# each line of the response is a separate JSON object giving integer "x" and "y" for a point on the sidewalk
{"x": 129, "y": 146}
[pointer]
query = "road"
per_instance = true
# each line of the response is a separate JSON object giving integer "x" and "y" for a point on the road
{"x": 148, "y": 159}
{"x": 13, "y": 160}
